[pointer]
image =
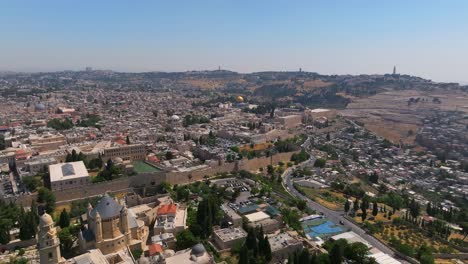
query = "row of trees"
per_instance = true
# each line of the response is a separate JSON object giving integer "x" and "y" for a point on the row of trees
{"x": 110, "y": 172}
{"x": 60, "y": 124}
{"x": 256, "y": 248}
{"x": 338, "y": 252}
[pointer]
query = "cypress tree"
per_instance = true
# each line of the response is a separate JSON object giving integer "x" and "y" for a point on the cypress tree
{"x": 244, "y": 255}
{"x": 375, "y": 209}
{"x": 64, "y": 220}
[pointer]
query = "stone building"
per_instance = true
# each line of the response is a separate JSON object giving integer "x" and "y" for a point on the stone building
{"x": 68, "y": 175}
{"x": 125, "y": 152}
{"x": 228, "y": 237}
{"x": 111, "y": 228}
{"x": 49, "y": 245}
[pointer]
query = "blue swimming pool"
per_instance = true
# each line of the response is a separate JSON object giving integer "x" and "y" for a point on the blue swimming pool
{"x": 325, "y": 229}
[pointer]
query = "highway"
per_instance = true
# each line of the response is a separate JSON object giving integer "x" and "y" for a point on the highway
{"x": 334, "y": 216}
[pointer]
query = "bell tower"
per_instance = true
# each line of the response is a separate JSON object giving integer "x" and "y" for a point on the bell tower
{"x": 49, "y": 245}
{"x": 124, "y": 226}
{"x": 98, "y": 227}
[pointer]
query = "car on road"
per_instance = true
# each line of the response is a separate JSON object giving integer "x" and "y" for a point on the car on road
{"x": 341, "y": 222}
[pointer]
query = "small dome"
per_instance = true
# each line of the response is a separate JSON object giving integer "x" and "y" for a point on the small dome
{"x": 175, "y": 118}
{"x": 240, "y": 99}
{"x": 198, "y": 250}
{"x": 168, "y": 253}
{"x": 118, "y": 160}
{"x": 143, "y": 260}
{"x": 46, "y": 220}
{"x": 40, "y": 107}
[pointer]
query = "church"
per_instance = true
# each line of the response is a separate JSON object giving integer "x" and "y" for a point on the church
{"x": 111, "y": 227}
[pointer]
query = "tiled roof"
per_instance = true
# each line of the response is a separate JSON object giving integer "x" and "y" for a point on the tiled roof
{"x": 167, "y": 209}
{"x": 154, "y": 249}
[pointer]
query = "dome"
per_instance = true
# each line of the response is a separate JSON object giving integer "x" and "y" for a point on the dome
{"x": 240, "y": 99}
{"x": 143, "y": 260}
{"x": 175, "y": 118}
{"x": 168, "y": 253}
{"x": 107, "y": 208}
{"x": 198, "y": 250}
{"x": 40, "y": 107}
{"x": 46, "y": 220}
{"x": 118, "y": 160}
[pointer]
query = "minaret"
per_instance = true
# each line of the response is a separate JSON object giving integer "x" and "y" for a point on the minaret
{"x": 98, "y": 227}
{"x": 49, "y": 245}
{"x": 394, "y": 70}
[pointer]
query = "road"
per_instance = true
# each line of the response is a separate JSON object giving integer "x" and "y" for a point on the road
{"x": 334, "y": 216}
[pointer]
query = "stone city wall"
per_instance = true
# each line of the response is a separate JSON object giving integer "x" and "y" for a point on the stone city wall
{"x": 155, "y": 178}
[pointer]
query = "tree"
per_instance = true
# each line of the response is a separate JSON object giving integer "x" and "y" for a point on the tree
{"x": 357, "y": 251}
{"x": 64, "y": 220}
{"x": 46, "y": 197}
{"x": 464, "y": 226}
{"x": 244, "y": 255}
{"x": 251, "y": 241}
{"x": 270, "y": 169}
{"x": 67, "y": 237}
{"x": 427, "y": 259}
{"x": 336, "y": 254}
{"x": 2, "y": 142}
{"x": 375, "y": 209}
{"x": 347, "y": 206}
{"x": 31, "y": 183}
{"x": 185, "y": 239}
{"x": 127, "y": 140}
{"x": 328, "y": 136}
{"x": 320, "y": 163}
{"x": 27, "y": 225}
{"x": 364, "y": 215}
{"x": 4, "y": 235}
{"x": 414, "y": 209}
{"x": 356, "y": 205}
{"x": 169, "y": 155}
{"x": 374, "y": 178}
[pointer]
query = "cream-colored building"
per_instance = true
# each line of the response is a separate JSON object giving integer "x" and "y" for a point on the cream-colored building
{"x": 49, "y": 245}
{"x": 171, "y": 218}
{"x": 111, "y": 228}
{"x": 284, "y": 244}
{"x": 228, "y": 237}
{"x": 68, "y": 175}
{"x": 125, "y": 152}
{"x": 47, "y": 142}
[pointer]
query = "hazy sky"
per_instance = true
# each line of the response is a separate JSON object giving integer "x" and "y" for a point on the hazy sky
{"x": 424, "y": 38}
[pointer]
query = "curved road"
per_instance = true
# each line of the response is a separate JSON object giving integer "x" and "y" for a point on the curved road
{"x": 334, "y": 216}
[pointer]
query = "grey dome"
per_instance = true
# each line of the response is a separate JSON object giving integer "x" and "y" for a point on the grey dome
{"x": 107, "y": 208}
{"x": 40, "y": 107}
{"x": 198, "y": 250}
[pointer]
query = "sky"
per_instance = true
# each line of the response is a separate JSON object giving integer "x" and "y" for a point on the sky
{"x": 421, "y": 37}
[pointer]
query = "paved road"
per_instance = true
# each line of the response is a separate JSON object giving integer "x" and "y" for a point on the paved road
{"x": 334, "y": 216}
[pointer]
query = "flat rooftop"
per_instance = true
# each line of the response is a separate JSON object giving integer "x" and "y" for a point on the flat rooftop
{"x": 258, "y": 216}
{"x": 228, "y": 234}
{"x": 281, "y": 241}
{"x": 67, "y": 171}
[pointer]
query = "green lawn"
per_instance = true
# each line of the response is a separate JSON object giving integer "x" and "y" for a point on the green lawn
{"x": 143, "y": 167}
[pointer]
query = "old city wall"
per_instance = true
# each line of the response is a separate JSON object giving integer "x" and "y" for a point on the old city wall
{"x": 93, "y": 189}
{"x": 149, "y": 179}
{"x": 255, "y": 164}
